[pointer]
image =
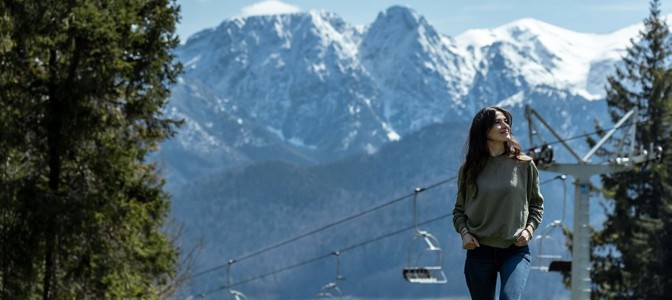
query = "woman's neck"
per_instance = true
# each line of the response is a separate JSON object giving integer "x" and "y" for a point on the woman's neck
{"x": 496, "y": 148}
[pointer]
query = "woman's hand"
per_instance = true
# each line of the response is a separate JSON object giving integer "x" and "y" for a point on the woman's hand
{"x": 469, "y": 241}
{"x": 524, "y": 237}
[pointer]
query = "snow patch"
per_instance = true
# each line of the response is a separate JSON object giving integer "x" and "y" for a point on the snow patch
{"x": 299, "y": 142}
{"x": 512, "y": 101}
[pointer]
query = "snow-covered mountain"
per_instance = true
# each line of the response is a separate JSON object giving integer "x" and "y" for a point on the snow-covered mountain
{"x": 309, "y": 87}
{"x": 546, "y": 55}
{"x": 293, "y": 121}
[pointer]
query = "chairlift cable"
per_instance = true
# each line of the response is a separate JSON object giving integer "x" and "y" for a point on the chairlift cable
{"x": 325, "y": 227}
{"x": 291, "y": 240}
{"x": 321, "y": 257}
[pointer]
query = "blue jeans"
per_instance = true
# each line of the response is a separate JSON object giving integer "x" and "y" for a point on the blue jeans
{"x": 483, "y": 264}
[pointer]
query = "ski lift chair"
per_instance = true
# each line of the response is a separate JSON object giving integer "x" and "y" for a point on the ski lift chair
{"x": 331, "y": 290}
{"x": 551, "y": 253}
{"x": 421, "y": 269}
{"x": 429, "y": 272}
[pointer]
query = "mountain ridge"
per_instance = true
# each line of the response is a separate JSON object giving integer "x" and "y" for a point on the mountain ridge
{"x": 321, "y": 73}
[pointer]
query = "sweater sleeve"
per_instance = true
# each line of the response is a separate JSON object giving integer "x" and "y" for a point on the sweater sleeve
{"x": 459, "y": 218}
{"x": 535, "y": 199}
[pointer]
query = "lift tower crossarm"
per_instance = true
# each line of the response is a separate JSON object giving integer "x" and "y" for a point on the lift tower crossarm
{"x": 608, "y": 135}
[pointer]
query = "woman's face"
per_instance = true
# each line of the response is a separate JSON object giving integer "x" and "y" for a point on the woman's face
{"x": 500, "y": 131}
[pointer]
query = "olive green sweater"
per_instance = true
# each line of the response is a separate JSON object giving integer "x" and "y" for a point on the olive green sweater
{"x": 508, "y": 200}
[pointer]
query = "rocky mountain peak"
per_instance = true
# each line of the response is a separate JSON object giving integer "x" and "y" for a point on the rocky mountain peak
{"x": 322, "y": 89}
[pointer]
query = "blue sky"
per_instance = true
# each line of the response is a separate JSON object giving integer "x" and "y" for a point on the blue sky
{"x": 450, "y": 17}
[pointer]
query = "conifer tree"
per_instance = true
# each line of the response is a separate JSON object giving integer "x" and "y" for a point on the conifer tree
{"x": 82, "y": 86}
{"x": 633, "y": 252}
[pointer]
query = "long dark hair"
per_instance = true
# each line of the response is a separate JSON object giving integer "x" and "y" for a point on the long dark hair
{"x": 477, "y": 146}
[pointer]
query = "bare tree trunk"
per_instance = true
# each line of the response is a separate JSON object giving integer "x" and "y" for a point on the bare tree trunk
{"x": 54, "y": 144}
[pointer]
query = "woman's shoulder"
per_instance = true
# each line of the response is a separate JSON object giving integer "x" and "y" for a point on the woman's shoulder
{"x": 529, "y": 163}
{"x": 522, "y": 158}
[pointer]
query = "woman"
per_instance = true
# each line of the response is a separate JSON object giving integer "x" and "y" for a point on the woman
{"x": 498, "y": 207}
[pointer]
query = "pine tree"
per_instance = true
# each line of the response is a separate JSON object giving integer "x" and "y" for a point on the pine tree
{"x": 632, "y": 253}
{"x": 82, "y": 85}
